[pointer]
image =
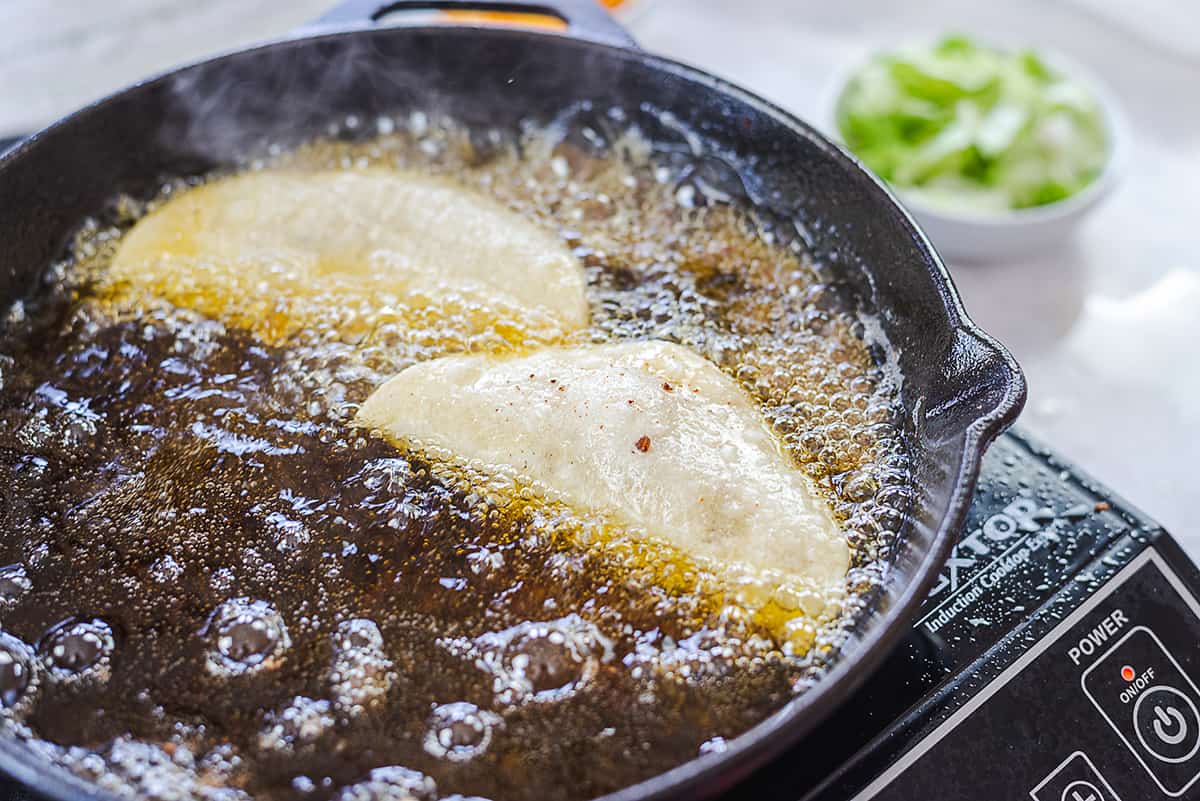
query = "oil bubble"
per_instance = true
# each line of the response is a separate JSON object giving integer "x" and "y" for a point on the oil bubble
{"x": 460, "y": 731}
{"x": 303, "y": 784}
{"x": 301, "y": 722}
{"x": 18, "y": 676}
{"x": 75, "y": 647}
{"x": 14, "y": 583}
{"x": 859, "y": 487}
{"x": 361, "y": 673}
{"x": 59, "y": 425}
{"x": 547, "y": 663}
{"x": 166, "y": 570}
{"x": 144, "y": 770}
{"x": 246, "y": 635}
{"x": 392, "y": 783}
{"x": 707, "y": 654}
{"x": 539, "y": 661}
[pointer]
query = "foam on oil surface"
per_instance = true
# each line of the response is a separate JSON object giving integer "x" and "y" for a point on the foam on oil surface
{"x": 215, "y": 587}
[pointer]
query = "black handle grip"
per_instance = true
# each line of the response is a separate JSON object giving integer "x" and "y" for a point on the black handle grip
{"x": 584, "y": 18}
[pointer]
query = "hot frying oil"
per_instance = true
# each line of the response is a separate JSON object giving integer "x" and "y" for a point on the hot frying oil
{"x": 214, "y": 586}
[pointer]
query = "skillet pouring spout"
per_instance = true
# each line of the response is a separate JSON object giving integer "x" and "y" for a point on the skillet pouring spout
{"x": 981, "y": 378}
{"x": 1001, "y": 389}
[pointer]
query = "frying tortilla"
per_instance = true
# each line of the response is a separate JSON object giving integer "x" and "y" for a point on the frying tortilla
{"x": 648, "y": 432}
{"x": 271, "y": 250}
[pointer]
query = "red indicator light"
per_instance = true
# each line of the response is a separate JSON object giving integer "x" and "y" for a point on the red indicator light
{"x": 1127, "y": 673}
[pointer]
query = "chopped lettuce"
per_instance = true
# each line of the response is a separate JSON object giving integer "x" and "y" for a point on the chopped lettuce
{"x": 967, "y": 126}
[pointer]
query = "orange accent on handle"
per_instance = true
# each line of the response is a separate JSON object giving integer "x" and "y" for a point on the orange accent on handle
{"x": 516, "y": 19}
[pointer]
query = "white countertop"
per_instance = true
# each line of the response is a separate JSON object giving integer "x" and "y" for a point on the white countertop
{"x": 1107, "y": 326}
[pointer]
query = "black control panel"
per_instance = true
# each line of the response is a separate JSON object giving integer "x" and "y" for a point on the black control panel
{"x": 1104, "y": 707}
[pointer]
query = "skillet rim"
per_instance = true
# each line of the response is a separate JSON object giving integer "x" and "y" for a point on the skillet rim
{"x": 706, "y": 775}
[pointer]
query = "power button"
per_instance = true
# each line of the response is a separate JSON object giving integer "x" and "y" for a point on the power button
{"x": 1167, "y": 724}
{"x": 1144, "y": 694}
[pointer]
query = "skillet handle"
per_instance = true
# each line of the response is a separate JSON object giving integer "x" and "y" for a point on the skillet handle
{"x": 586, "y": 19}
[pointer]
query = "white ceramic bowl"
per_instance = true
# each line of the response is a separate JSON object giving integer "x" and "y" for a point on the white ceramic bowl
{"x": 971, "y": 235}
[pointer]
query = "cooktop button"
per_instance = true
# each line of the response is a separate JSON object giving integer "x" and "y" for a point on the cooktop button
{"x": 1075, "y": 779}
{"x": 1153, "y": 705}
{"x": 1082, "y": 791}
{"x": 1167, "y": 724}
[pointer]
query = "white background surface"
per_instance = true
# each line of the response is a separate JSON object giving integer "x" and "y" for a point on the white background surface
{"x": 1107, "y": 325}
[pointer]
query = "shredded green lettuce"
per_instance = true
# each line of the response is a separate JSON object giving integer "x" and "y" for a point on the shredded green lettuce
{"x": 962, "y": 125}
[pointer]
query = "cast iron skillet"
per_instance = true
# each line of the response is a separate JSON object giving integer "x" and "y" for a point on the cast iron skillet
{"x": 959, "y": 386}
